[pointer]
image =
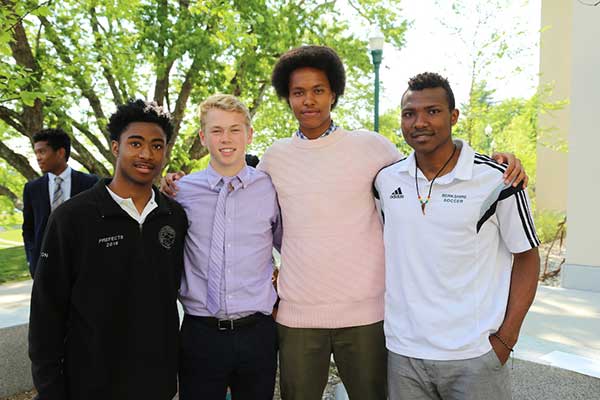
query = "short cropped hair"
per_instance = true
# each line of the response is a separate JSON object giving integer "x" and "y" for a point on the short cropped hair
{"x": 320, "y": 57}
{"x": 139, "y": 111}
{"x": 56, "y": 138}
{"x": 225, "y": 102}
{"x": 431, "y": 80}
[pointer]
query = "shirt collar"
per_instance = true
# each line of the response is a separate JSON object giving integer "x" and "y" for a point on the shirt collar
{"x": 463, "y": 169}
{"x": 66, "y": 174}
{"x": 121, "y": 200}
{"x": 332, "y": 127}
{"x": 214, "y": 178}
{"x": 129, "y": 207}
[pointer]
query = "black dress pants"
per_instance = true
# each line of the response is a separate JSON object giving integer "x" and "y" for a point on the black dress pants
{"x": 243, "y": 358}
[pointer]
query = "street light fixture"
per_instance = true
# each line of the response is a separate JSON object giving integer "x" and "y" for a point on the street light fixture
{"x": 488, "y": 135}
{"x": 376, "y": 47}
{"x": 488, "y": 130}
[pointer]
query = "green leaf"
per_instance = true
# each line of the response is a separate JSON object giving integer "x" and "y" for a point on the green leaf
{"x": 43, "y": 11}
{"x": 28, "y": 98}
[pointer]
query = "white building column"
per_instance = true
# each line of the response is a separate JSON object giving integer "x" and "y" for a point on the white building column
{"x": 582, "y": 268}
{"x": 555, "y": 71}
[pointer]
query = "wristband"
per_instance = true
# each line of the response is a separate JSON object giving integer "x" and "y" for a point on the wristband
{"x": 502, "y": 341}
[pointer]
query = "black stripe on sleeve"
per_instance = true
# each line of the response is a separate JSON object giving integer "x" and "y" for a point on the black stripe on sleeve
{"x": 373, "y": 189}
{"x": 490, "y": 211}
{"x": 530, "y": 224}
{"x": 504, "y": 194}
{"x": 484, "y": 158}
{"x": 377, "y": 198}
{"x": 509, "y": 191}
{"x": 524, "y": 220}
{"x": 494, "y": 165}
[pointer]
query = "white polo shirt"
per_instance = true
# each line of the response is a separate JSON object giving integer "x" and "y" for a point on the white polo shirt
{"x": 448, "y": 270}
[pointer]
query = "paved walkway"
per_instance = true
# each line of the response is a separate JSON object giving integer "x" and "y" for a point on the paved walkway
{"x": 14, "y": 303}
{"x": 562, "y": 330}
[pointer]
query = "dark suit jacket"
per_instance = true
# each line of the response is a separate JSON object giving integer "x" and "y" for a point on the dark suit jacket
{"x": 36, "y": 210}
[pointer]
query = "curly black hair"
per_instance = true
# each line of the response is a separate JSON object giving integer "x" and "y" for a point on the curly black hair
{"x": 431, "y": 80}
{"x": 139, "y": 111}
{"x": 319, "y": 57}
{"x": 56, "y": 138}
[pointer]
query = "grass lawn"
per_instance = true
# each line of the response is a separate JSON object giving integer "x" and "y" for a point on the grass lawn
{"x": 14, "y": 235}
{"x": 13, "y": 265}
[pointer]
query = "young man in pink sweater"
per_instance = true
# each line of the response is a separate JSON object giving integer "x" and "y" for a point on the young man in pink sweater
{"x": 331, "y": 284}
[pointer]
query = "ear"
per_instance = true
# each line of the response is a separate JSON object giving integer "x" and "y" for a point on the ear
{"x": 114, "y": 147}
{"x": 61, "y": 152}
{"x": 333, "y": 97}
{"x": 202, "y": 137}
{"x": 454, "y": 116}
{"x": 250, "y": 135}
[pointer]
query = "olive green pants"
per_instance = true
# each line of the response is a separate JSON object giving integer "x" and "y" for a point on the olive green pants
{"x": 359, "y": 353}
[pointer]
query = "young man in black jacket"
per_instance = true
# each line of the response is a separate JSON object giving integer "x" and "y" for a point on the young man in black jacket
{"x": 104, "y": 320}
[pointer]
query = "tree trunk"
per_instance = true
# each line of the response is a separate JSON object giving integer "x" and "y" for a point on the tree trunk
{"x": 18, "y": 162}
{"x": 4, "y": 191}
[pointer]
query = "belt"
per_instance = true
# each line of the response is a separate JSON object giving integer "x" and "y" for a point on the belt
{"x": 228, "y": 324}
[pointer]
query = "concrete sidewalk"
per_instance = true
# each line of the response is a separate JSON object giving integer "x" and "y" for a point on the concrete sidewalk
{"x": 561, "y": 332}
{"x": 14, "y": 303}
{"x": 562, "y": 327}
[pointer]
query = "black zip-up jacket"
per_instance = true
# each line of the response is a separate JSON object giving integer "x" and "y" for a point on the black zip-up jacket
{"x": 104, "y": 322}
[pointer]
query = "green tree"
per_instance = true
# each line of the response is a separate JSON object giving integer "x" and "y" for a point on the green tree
{"x": 512, "y": 125}
{"x": 488, "y": 45}
{"x": 71, "y": 63}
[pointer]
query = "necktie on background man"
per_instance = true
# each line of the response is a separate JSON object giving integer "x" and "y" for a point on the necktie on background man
{"x": 217, "y": 250}
{"x": 58, "y": 196}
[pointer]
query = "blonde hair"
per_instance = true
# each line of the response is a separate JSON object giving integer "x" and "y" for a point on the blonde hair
{"x": 225, "y": 102}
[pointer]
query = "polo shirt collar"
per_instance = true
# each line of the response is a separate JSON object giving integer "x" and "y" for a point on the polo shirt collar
{"x": 214, "y": 178}
{"x": 463, "y": 169}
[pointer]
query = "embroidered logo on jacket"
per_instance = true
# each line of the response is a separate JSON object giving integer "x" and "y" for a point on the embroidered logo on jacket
{"x": 166, "y": 236}
{"x": 110, "y": 241}
{"x": 397, "y": 194}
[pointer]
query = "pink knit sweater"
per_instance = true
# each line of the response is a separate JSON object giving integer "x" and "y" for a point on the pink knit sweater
{"x": 332, "y": 273}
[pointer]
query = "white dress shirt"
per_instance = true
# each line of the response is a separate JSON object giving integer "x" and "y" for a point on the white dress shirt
{"x": 129, "y": 207}
{"x": 66, "y": 184}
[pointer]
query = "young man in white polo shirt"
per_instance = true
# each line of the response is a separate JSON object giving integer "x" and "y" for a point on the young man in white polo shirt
{"x": 461, "y": 258}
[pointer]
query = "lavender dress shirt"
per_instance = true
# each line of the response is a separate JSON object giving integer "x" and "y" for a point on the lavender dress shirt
{"x": 252, "y": 228}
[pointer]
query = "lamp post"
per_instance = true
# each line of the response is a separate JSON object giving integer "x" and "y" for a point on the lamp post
{"x": 376, "y": 47}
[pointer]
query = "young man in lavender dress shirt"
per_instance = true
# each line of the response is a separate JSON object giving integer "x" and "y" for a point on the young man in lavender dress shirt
{"x": 228, "y": 336}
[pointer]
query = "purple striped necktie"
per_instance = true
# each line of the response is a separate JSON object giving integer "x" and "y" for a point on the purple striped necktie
{"x": 217, "y": 250}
